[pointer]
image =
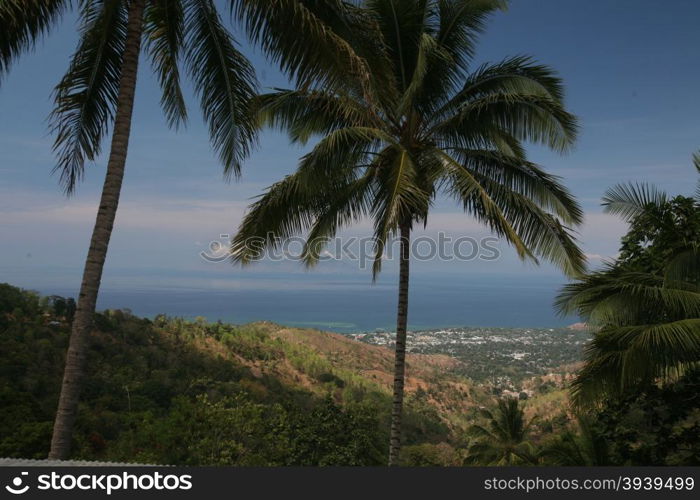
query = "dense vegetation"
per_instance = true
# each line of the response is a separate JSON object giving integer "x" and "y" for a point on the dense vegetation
{"x": 190, "y": 392}
{"x": 657, "y": 425}
{"x": 641, "y": 370}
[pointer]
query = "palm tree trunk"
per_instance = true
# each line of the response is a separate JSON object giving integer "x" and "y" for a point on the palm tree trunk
{"x": 92, "y": 273}
{"x": 400, "y": 355}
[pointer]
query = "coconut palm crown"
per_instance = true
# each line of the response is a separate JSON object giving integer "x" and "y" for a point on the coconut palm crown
{"x": 504, "y": 439}
{"x": 426, "y": 125}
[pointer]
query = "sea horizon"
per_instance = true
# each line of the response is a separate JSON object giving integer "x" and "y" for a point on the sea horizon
{"x": 338, "y": 303}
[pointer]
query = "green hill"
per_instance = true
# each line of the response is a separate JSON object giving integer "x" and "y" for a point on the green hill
{"x": 171, "y": 391}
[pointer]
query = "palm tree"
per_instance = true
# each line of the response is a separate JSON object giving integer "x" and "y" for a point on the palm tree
{"x": 504, "y": 440}
{"x": 416, "y": 122}
{"x": 646, "y": 305}
{"x": 98, "y": 92}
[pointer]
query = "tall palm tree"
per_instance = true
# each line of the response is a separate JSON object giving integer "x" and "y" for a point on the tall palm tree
{"x": 411, "y": 121}
{"x": 98, "y": 92}
{"x": 645, "y": 305}
{"x": 503, "y": 441}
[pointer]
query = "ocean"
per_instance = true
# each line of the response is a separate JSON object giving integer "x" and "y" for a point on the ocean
{"x": 347, "y": 304}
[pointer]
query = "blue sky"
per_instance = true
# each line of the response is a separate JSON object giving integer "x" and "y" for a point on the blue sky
{"x": 632, "y": 73}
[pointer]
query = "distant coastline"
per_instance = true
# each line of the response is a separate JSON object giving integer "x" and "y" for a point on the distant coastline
{"x": 347, "y": 309}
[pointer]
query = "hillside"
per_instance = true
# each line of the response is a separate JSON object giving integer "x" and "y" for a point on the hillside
{"x": 192, "y": 392}
{"x": 432, "y": 378}
{"x": 320, "y": 362}
{"x": 172, "y": 391}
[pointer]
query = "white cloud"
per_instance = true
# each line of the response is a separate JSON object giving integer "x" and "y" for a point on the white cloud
{"x": 164, "y": 230}
{"x": 156, "y": 213}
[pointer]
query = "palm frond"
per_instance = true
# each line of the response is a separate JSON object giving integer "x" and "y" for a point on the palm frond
{"x": 311, "y": 41}
{"x": 630, "y": 200}
{"x": 518, "y": 75}
{"x": 586, "y": 447}
{"x": 527, "y": 117}
{"x": 564, "y": 450}
{"x": 622, "y": 357}
{"x": 616, "y": 296}
{"x": 286, "y": 209}
{"x": 504, "y": 440}
{"x": 581, "y": 296}
{"x": 455, "y": 26}
{"x": 350, "y": 139}
{"x": 23, "y": 23}
{"x": 85, "y": 99}
{"x": 164, "y": 32}
{"x": 478, "y": 431}
{"x": 428, "y": 50}
{"x": 292, "y": 206}
{"x": 476, "y": 201}
{"x": 348, "y": 204}
{"x": 461, "y": 22}
{"x": 683, "y": 271}
{"x": 308, "y": 113}
{"x": 523, "y": 177}
{"x": 543, "y": 234}
{"x": 223, "y": 79}
{"x": 402, "y": 25}
{"x": 637, "y": 305}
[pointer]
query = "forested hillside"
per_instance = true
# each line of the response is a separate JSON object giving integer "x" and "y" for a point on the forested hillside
{"x": 190, "y": 392}
{"x": 170, "y": 391}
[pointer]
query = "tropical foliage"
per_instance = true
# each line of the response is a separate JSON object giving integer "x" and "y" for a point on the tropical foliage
{"x": 657, "y": 425}
{"x": 504, "y": 439}
{"x": 389, "y": 154}
{"x": 646, "y": 304}
{"x": 170, "y": 391}
{"x": 187, "y": 33}
{"x": 582, "y": 444}
{"x": 399, "y": 116}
